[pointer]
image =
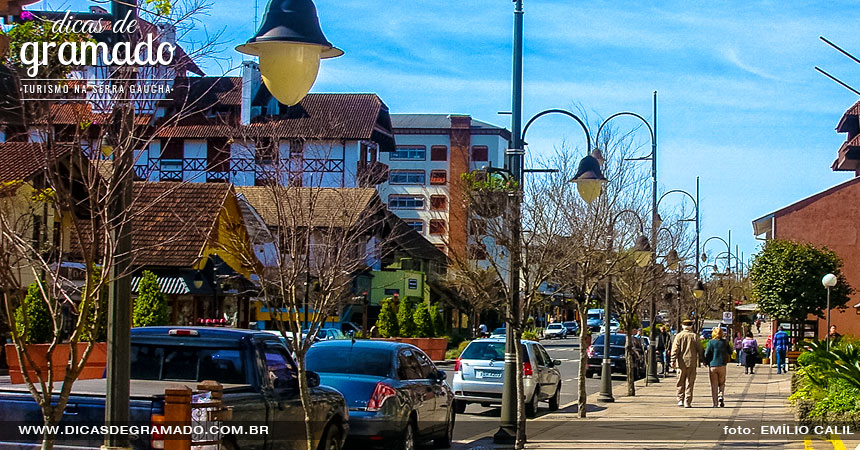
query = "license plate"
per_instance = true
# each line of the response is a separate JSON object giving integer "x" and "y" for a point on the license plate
{"x": 485, "y": 374}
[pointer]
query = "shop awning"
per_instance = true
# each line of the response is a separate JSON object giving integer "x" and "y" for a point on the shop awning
{"x": 170, "y": 285}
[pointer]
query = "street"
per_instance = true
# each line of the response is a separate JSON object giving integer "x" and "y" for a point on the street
{"x": 479, "y": 421}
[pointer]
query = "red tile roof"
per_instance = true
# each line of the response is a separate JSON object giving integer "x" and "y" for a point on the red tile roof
{"x": 172, "y": 222}
{"x": 19, "y": 161}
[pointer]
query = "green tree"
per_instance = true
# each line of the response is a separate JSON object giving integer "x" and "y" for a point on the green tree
{"x": 406, "y": 318}
{"x": 150, "y": 307}
{"x": 423, "y": 321}
{"x": 33, "y": 319}
{"x": 786, "y": 280}
{"x": 436, "y": 318}
{"x": 386, "y": 323}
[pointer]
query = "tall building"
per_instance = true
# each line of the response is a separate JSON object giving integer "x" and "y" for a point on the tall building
{"x": 432, "y": 151}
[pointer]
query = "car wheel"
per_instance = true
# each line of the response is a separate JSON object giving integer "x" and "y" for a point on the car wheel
{"x": 332, "y": 438}
{"x": 445, "y": 440}
{"x": 460, "y": 406}
{"x": 532, "y": 405}
{"x": 554, "y": 400}
{"x": 408, "y": 442}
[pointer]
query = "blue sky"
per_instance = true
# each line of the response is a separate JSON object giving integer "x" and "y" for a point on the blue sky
{"x": 740, "y": 104}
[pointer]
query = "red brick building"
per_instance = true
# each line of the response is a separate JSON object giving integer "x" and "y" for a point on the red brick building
{"x": 829, "y": 218}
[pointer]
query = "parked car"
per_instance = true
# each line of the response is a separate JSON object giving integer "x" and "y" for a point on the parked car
{"x": 479, "y": 374}
{"x": 572, "y": 328}
{"x": 349, "y": 327}
{"x": 706, "y": 331}
{"x": 326, "y": 334}
{"x": 555, "y": 330}
{"x": 258, "y": 375}
{"x": 613, "y": 327}
{"x": 616, "y": 355}
{"x": 500, "y": 332}
{"x": 594, "y": 319}
{"x": 396, "y": 395}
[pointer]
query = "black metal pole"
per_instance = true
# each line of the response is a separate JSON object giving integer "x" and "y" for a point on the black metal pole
{"x": 606, "y": 366}
{"x": 119, "y": 306}
{"x": 652, "y": 307}
{"x": 507, "y": 432}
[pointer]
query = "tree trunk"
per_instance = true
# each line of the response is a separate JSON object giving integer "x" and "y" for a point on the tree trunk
{"x": 304, "y": 393}
{"x": 628, "y": 353}
{"x": 582, "y": 401}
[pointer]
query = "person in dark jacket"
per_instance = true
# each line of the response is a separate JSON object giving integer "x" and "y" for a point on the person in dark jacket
{"x": 662, "y": 339}
{"x": 749, "y": 347}
{"x": 717, "y": 356}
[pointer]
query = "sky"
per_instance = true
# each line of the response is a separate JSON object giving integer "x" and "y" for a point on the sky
{"x": 739, "y": 102}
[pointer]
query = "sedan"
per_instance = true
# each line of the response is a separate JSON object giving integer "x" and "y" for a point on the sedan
{"x": 395, "y": 394}
{"x": 555, "y": 330}
{"x": 572, "y": 328}
{"x": 479, "y": 374}
{"x": 617, "y": 358}
{"x": 500, "y": 332}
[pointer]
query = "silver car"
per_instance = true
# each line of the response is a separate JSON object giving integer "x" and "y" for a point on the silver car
{"x": 555, "y": 330}
{"x": 479, "y": 374}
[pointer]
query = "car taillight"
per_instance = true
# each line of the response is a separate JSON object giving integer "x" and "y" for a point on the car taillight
{"x": 457, "y": 367}
{"x": 381, "y": 393}
{"x": 157, "y": 438}
{"x": 527, "y": 369}
{"x": 590, "y": 351}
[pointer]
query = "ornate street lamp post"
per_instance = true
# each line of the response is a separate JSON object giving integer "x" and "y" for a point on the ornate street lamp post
{"x": 828, "y": 281}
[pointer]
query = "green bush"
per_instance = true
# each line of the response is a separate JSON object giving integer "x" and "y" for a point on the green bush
{"x": 150, "y": 306}
{"x": 37, "y": 327}
{"x": 386, "y": 323}
{"x": 530, "y": 335}
{"x": 454, "y": 353}
{"x": 436, "y": 319}
{"x": 406, "y": 318}
{"x": 423, "y": 321}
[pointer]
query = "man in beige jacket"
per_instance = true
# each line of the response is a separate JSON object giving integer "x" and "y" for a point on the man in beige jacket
{"x": 687, "y": 354}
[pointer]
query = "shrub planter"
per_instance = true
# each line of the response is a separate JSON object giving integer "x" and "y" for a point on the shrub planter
{"x": 93, "y": 368}
{"x": 433, "y": 347}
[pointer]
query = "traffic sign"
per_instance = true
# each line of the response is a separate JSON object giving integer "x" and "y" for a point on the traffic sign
{"x": 727, "y": 317}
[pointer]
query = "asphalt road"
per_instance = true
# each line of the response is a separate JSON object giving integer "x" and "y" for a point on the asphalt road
{"x": 479, "y": 421}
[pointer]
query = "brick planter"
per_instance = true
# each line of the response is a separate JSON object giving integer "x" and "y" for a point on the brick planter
{"x": 93, "y": 368}
{"x": 433, "y": 347}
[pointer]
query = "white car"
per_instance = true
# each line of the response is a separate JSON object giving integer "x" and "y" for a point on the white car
{"x": 613, "y": 327}
{"x": 499, "y": 333}
{"x": 555, "y": 330}
{"x": 479, "y": 373}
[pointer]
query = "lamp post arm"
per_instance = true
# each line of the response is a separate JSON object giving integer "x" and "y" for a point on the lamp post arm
{"x": 632, "y": 114}
{"x": 566, "y": 113}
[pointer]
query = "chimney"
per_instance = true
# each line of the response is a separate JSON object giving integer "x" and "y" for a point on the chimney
{"x": 251, "y": 80}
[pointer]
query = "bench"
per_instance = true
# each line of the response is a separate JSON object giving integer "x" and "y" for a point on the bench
{"x": 791, "y": 358}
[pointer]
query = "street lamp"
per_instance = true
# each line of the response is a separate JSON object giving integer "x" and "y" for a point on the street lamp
{"x": 698, "y": 289}
{"x": 589, "y": 178}
{"x": 694, "y": 219}
{"x": 828, "y": 281}
{"x": 290, "y": 44}
{"x": 641, "y": 252}
{"x": 728, "y": 250}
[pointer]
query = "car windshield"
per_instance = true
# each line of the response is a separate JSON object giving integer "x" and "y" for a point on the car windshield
{"x": 350, "y": 359}
{"x": 553, "y": 326}
{"x": 594, "y": 316}
{"x": 617, "y": 339}
{"x": 570, "y": 324}
{"x": 483, "y": 350}
{"x": 499, "y": 331}
{"x": 150, "y": 362}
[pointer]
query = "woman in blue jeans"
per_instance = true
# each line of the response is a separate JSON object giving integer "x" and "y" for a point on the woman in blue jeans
{"x": 780, "y": 347}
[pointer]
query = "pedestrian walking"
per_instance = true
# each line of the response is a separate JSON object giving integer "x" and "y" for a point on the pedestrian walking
{"x": 662, "y": 339}
{"x": 768, "y": 349}
{"x": 758, "y": 325}
{"x": 749, "y": 346}
{"x": 780, "y": 347}
{"x": 737, "y": 346}
{"x": 717, "y": 356}
{"x": 687, "y": 354}
{"x": 669, "y": 341}
{"x": 483, "y": 330}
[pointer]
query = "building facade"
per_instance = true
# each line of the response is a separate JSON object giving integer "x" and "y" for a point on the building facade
{"x": 424, "y": 186}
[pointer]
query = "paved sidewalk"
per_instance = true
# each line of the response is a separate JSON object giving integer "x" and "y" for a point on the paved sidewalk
{"x": 652, "y": 419}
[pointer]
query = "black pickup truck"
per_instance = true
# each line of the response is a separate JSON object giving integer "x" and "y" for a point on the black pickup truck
{"x": 257, "y": 373}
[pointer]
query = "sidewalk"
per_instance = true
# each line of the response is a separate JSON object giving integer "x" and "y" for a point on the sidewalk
{"x": 652, "y": 419}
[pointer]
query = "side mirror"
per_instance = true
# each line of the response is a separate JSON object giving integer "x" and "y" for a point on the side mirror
{"x": 313, "y": 379}
{"x": 556, "y": 362}
{"x": 441, "y": 376}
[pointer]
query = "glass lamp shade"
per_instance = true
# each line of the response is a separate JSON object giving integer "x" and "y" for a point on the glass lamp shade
{"x": 642, "y": 251}
{"x": 698, "y": 289}
{"x": 589, "y": 178}
{"x": 106, "y": 146}
{"x": 829, "y": 280}
{"x": 673, "y": 261}
{"x": 289, "y": 70}
{"x": 589, "y": 190}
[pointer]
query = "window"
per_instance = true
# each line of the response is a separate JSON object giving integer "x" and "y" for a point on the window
{"x": 480, "y": 153}
{"x": 406, "y": 177}
{"x": 409, "y": 153}
{"x": 218, "y": 155}
{"x": 438, "y": 177}
{"x": 407, "y": 366}
{"x": 279, "y": 364}
{"x": 438, "y": 153}
{"x": 437, "y": 226}
{"x": 412, "y": 283}
{"x": 428, "y": 370}
{"x": 350, "y": 360}
{"x": 438, "y": 202}
{"x": 406, "y": 202}
{"x": 392, "y": 291}
{"x": 417, "y": 225}
{"x": 172, "y": 149}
